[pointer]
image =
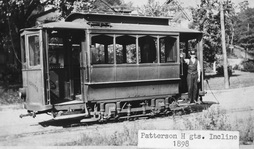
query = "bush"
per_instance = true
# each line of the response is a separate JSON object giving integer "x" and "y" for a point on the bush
{"x": 237, "y": 67}
{"x": 208, "y": 67}
{"x": 12, "y": 75}
{"x": 248, "y": 66}
{"x": 9, "y": 96}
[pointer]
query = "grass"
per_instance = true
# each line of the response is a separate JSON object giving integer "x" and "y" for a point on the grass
{"x": 211, "y": 119}
{"x": 128, "y": 136}
{"x": 217, "y": 119}
{"x": 246, "y": 129}
{"x": 237, "y": 80}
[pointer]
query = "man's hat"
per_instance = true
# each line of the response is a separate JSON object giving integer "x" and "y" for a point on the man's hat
{"x": 192, "y": 52}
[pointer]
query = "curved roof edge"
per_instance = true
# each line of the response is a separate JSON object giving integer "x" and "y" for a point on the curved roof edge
{"x": 118, "y": 18}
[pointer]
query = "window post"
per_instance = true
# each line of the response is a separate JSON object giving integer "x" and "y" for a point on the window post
{"x": 158, "y": 49}
{"x": 137, "y": 50}
{"x": 114, "y": 48}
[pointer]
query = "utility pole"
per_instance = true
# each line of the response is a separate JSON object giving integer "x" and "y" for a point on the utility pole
{"x": 223, "y": 43}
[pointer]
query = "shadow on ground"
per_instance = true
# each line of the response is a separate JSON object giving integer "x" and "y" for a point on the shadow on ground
{"x": 182, "y": 109}
{"x": 65, "y": 123}
{"x": 211, "y": 76}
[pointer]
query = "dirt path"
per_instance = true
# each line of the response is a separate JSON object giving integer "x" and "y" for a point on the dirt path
{"x": 233, "y": 99}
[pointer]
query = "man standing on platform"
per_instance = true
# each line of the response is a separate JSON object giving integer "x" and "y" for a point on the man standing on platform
{"x": 193, "y": 77}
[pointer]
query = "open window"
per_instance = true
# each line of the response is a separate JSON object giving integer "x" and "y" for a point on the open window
{"x": 126, "y": 50}
{"x": 102, "y": 49}
{"x": 148, "y": 50}
{"x": 168, "y": 49}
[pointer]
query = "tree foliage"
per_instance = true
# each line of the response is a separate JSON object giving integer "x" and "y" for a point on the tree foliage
{"x": 68, "y": 6}
{"x": 206, "y": 18}
{"x": 18, "y": 14}
{"x": 244, "y": 29}
{"x": 155, "y": 8}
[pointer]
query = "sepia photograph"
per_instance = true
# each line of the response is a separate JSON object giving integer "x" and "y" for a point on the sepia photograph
{"x": 132, "y": 74}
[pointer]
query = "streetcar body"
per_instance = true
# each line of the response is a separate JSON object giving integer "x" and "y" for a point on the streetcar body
{"x": 102, "y": 66}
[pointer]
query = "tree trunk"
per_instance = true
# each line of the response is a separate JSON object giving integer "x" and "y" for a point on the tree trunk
{"x": 223, "y": 43}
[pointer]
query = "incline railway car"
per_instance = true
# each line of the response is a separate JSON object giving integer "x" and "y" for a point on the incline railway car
{"x": 105, "y": 66}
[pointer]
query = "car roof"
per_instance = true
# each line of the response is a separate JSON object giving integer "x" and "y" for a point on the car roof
{"x": 121, "y": 23}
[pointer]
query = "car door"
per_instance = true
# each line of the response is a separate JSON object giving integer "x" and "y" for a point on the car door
{"x": 35, "y": 72}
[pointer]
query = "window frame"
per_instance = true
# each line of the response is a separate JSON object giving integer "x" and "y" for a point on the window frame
{"x": 175, "y": 49}
{"x": 130, "y": 35}
{"x": 137, "y": 36}
{"x": 23, "y": 52}
{"x": 38, "y": 66}
{"x": 90, "y": 50}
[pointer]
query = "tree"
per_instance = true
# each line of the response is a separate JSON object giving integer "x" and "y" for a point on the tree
{"x": 243, "y": 5}
{"x": 215, "y": 19}
{"x": 244, "y": 29}
{"x": 13, "y": 16}
{"x": 18, "y": 14}
{"x": 154, "y": 8}
{"x": 207, "y": 19}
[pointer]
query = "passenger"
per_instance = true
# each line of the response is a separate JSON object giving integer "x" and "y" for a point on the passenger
{"x": 193, "y": 77}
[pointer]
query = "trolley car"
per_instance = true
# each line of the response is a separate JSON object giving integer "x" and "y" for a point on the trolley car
{"x": 105, "y": 66}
